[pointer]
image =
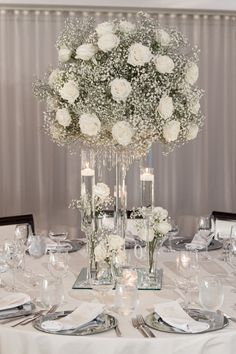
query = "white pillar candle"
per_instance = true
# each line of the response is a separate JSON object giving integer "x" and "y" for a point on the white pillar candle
{"x": 87, "y": 171}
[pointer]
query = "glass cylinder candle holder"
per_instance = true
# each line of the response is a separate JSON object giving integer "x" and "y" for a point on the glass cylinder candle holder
{"x": 147, "y": 187}
{"x": 87, "y": 187}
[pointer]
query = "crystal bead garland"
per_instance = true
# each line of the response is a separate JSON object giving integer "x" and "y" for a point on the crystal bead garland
{"x": 120, "y": 194}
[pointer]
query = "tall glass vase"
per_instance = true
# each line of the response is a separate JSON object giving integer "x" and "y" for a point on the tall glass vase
{"x": 88, "y": 205}
{"x": 120, "y": 194}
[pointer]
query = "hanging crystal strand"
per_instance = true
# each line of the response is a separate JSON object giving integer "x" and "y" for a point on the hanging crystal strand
{"x": 120, "y": 195}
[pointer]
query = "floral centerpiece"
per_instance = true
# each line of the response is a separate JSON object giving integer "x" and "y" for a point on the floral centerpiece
{"x": 120, "y": 86}
{"x": 152, "y": 228}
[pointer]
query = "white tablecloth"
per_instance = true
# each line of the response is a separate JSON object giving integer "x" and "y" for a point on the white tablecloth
{"x": 27, "y": 340}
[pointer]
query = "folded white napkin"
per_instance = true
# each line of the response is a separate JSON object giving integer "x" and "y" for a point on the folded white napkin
{"x": 172, "y": 313}
{"x": 84, "y": 313}
{"x": 11, "y": 300}
{"x": 200, "y": 240}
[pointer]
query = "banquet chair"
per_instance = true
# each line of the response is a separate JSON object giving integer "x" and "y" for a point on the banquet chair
{"x": 8, "y": 224}
{"x": 222, "y": 222}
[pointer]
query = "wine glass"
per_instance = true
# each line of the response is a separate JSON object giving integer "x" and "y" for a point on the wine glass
{"x": 172, "y": 233}
{"x": 204, "y": 226}
{"x": 188, "y": 268}
{"x": 14, "y": 258}
{"x": 58, "y": 264}
{"x": 211, "y": 295}
{"x": 58, "y": 236}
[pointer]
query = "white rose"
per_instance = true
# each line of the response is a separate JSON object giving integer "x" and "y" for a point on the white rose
{"x": 165, "y": 107}
{"x": 192, "y": 73}
{"x": 127, "y": 27}
{"x": 104, "y": 28}
{"x": 122, "y": 133}
{"x": 120, "y": 89}
{"x": 108, "y": 41}
{"x": 69, "y": 91}
{"x": 163, "y": 37}
{"x": 192, "y": 131}
{"x": 160, "y": 213}
{"x": 164, "y": 64}
{"x": 63, "y": 117}
{"x": 146, "y": 235}
{"x": 64, "y": 54}
{"x": 86, "y": 51}
{"x": 102, "y": 190}
{"x": 139, "y": 54}
{"x": 171, "y": 130}
{"x": 100, "y": 252}
{"x": 163, "y": 227}
{"x": 89, "y": 124}
{"x": 116, "y": 242}
{"x": 194, "y": 107}
{"x": 53, "y": 77}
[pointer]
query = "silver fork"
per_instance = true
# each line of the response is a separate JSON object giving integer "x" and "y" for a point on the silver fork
{"x": 51, "y": 310}
{"x": 142, "y": 323}
{"x": 138, "y": 327}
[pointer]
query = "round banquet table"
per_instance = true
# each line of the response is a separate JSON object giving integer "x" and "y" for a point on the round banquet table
{"x": 27, "y": 340}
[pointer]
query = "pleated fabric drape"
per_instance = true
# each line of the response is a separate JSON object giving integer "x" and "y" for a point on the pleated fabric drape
{"x": 36, "y": 176}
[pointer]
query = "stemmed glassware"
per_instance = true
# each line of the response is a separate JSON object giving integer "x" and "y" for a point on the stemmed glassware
{"x": 3, "y": 265}
{"x": 172, "y": 233}
{"x": 14, "y": 257}
{"x": 188, "y": 268}
{"x": 204, "y": 226}
{"x": 211, "y": 295}
{"x": 58, "y": 236}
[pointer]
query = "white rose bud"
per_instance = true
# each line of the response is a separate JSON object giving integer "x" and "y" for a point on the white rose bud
{"x": 192, "y": 73}
{"x": 64, "y": 54}
{"x": 63, "y": 117}
{"x": 120, "y": 89}
{"x": 163, "y": 227}
{"x": 164, "y": 64}
{"x": 122, "y": 133}
{"x": 86, "y": 51}
{"x": 104, "y": 28}
{"x": 139, "y": 54}
{"x": 160, "y": 213}
{"x": 171, "y": 130}
{"x": 69, "y": 91}
{"x": 194, "y": 107}
{"x": 89, "y": 124}
{"x": 165, "y": 107}
{"x": 127, "y": 27}
{"x": 108, "y": 41}
{"x": 101, "y": 190}
{"x": 192, "y": 131}
{"x": 163, "y": 37}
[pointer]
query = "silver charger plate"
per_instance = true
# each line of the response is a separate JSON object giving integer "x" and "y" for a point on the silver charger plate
{"x": 25, "y": 309}
{"x": 70, "y": 245}
{"x": 178, "y": 244}
{"x": 220, "y": 321}
{"x": 105, "y": 323}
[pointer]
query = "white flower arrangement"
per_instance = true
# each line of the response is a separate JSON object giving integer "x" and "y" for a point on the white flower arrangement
{"x": 108, "y": 246}
{"x": 122, "y": 78}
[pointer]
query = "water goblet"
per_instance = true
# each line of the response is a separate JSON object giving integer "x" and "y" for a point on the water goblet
{"x": 204, "y": 226}
{"x": 188, "y": 268}
{"x": 211, "y": 295}
{"x": 171, "y": 234}
{"x": 58, "y": 236}
{"x": 51, "y": 292}
{"x": 58, "y": 263}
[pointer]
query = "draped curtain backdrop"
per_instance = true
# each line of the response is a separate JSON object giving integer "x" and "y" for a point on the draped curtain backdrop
{"x": 38, "y": 177}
